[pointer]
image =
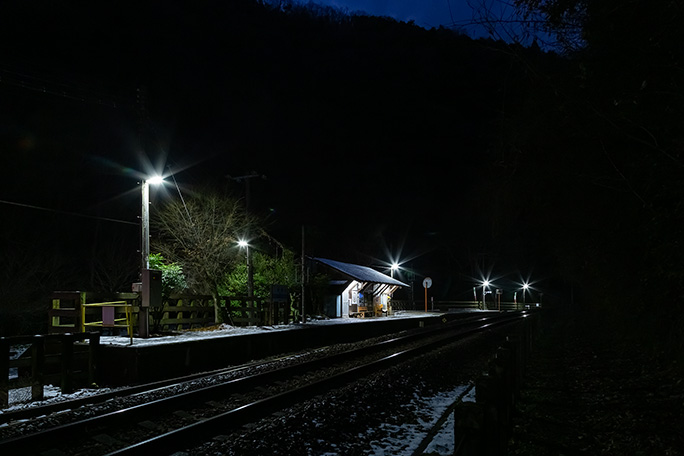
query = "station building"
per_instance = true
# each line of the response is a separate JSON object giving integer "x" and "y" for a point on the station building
{"x": 357, "y": 291}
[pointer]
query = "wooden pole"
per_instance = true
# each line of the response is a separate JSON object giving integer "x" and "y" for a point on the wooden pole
{"x": 37, "y": 367}
{"x": 425, "y": 299}
{"x": 4, "y": 372}
{"x": 303, "y": 271}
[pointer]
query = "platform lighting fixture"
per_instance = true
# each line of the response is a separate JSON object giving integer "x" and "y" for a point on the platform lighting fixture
{"x": 145, "y": 243}
{"x": 155, "y": 180}
{"x": 250, "y": 276}
{"x": 394, "y": 267}
{"x": 485, "y": 284}
{"x": 145, "y": 218}
{"x": 525, "y": 287}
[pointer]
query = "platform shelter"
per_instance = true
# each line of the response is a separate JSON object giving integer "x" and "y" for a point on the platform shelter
{"x": 357, "y": 291}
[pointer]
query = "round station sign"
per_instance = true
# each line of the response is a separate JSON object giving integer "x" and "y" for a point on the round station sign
{"x": 427, "y": 282}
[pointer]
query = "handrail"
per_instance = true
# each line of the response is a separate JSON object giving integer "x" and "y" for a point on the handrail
{"x": 109, "y": 321}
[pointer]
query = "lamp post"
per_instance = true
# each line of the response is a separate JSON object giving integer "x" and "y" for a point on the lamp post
{"x": 485, "y": 284}
{"x": 524, "y": 288}
{"x": 394, "y": 267}
{"x": 250, "y": 272}
{"x": 143, "y": 316}
{"x": 145, "y": 219}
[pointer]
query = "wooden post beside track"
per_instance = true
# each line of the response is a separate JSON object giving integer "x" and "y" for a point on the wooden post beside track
{"x": 468, "y": 429}
{"x": 67, "y": 363}
{"x": 37, "y": 367}
{"x": 483, "y": 428}
{"x": 4, "y": 372}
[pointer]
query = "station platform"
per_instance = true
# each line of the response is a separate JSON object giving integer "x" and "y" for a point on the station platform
{"x": 189, "y": 352}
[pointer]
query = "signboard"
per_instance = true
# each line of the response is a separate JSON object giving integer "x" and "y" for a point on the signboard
{"x": 427, "y": 283}
{"x": 280, "y": 293}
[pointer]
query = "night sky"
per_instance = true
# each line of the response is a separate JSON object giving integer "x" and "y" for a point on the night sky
{"x": 423, "y": 13}
{"x": 461, "y": 14}
{"x": 376, "y": 150}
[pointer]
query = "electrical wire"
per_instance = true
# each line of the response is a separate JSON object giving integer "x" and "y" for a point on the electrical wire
{"x": 75, "y": 214}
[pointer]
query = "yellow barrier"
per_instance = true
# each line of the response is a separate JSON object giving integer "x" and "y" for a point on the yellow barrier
{"x": 109, "y": 319}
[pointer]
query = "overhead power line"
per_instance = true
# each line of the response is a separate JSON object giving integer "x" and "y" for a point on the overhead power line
{"x": 51, "y": 86}
{"x": 75, "y": 214}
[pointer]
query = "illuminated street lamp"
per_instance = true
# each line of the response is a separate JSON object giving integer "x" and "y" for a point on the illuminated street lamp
{"x": 250, "y": 273}
{"x": 393, "y": 267}
{"x": 144, "y": 327}
{"x": 145, "y": 219}
{"x": 525, "y": 287}
{"x": 485, "y": 284}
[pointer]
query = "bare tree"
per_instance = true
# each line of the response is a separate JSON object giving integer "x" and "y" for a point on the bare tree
{"x": 553, "y": 24}
{"x": 201, "y": 233}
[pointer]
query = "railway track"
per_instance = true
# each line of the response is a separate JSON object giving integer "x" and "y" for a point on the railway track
{"x": 165, "y": 424}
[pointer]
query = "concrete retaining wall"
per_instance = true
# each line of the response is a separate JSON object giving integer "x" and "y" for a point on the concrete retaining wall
{"x": 128, "y": 365}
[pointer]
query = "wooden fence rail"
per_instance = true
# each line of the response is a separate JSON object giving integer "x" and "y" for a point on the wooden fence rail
{"x": 52, "y": 359}
{"x": 483, "y": 428}
{"x": 177, "y": 311}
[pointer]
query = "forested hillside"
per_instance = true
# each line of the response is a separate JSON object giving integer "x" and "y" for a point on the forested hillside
{"x": 596, "y": 169}
{"x": 486, "y": 155}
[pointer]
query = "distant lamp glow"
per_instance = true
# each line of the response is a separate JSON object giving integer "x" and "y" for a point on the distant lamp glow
{"x": 243, "y": 243}
{"x": 525, "y": 287}
{"x": 485, "y": 284}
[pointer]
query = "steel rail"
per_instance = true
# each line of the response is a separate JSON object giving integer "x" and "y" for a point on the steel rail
{"x": 64, "y": 432}
{"x": 183, "y": 437}
{"x": 42, "y": 410}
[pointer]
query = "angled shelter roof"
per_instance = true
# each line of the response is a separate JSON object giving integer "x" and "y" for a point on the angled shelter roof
{"x": 361, "y": 273}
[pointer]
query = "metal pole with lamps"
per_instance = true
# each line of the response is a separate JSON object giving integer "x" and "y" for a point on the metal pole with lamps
{"x": 144, "y": 314}
{"x": 393, "y": 268}
{"x": 485, "y": 284}
{"x": 250, "y": 273}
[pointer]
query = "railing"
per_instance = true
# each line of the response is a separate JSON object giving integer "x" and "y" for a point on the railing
{"x": 183, "y": 312}
{"x": 73, "y": 311}
{"x": 109, "y": 319}
{"x": 68, "y": 314}
{"x": 483, "y": 428}
{"x": 54, "y": 359}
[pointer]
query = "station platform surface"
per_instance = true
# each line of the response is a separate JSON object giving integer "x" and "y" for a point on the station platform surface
{"x": 191, "y": 351}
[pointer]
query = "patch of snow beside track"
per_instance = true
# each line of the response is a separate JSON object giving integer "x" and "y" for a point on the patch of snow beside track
{"x": 404, "y": 440}
{"x": 20, "y": 398}
{"x": 227, "y": 330}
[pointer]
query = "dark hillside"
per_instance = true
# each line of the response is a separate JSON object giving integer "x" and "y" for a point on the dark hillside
{"x": 377, "y": 132}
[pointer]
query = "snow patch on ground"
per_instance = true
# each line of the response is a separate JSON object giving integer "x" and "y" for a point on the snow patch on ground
{"x": 404, "y": 440}
{"x": 227, "y": 330}
{"x": 20, "y": 398}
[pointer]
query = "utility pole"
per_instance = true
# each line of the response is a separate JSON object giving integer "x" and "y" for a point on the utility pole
{"x": 303, "y": 271}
